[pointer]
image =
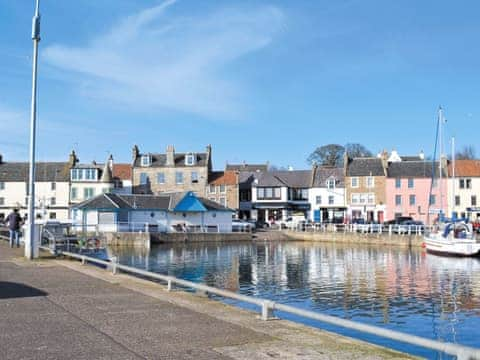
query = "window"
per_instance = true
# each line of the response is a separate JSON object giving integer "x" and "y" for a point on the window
{"x": 190, "y": 159}
{"x": 26, "y": 200}
{"x": 461, "y": 183}
{"x": 76, "y": 174}
{"x": 53, "y": 215}
{"x": 398, "y": 200}
{"x": 2, "y": 201}
{"x": 433, "y": 199}
{"x": 354, "y": 182}
{"x": 268, "y": 193}
{"x": 73, "y": 193}
{"x": 370, "y": 182}
{"x": 474, "y": 200}
{"x": 222, "y": 188}
{"x": 355, "y": 198}
{"x": 412, "y": 200}
{"x": 179, "y": 177}
{"x": 331, "y": 200}
{"x": 297, "y": 194}
{"x": 457, "y": 200}
{"x": 146, "y": 160}
{"x": 398, "y": 183}
{"x": 410, "y": 183}
{"x": 143, "y": 178}
{"x": 88, "y": 193}
{"x": 223, "y": 201}
{"x": 468, "y": 183}
{"x": 160, "y": 178}
{"x": 53, "y": 201}
{"x": 212, "y": 199}
{"x": 318, "y": 200}
{"x": 246, "y": 195}
{"x": 212, "y": 189}
{"x": 90, "y": 174}
{"x": 331, "y": 183}
{"x": 53, "y": 186}
{"x": 2, "y": 185}
{"x": 194, "y": 177}
{"x": 371, "y": 198}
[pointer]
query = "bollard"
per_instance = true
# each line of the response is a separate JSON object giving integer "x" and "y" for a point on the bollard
{"x": 83, "y": 260}
{"x": 169, "y": 285}
{"x": 114, "y": 265}
{"x": 267, "y": 310}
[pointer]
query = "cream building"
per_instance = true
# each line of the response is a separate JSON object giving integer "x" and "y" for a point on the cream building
{"x": 464, "y": 189}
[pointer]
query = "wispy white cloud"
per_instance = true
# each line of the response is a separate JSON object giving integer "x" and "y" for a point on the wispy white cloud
{"x": 151, "y": 60}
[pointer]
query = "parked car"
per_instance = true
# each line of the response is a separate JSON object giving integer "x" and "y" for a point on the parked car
{"x": 398, "y": 220}
{"x": 241, "y": 226}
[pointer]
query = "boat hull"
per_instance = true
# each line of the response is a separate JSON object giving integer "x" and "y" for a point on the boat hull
{"x": 455, "y": 247}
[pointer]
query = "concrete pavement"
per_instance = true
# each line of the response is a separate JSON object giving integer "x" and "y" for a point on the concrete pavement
{"x": 52, "y": 309}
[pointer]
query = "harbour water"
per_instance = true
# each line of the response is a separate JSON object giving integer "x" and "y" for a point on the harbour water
{"x": 392, "y": 287}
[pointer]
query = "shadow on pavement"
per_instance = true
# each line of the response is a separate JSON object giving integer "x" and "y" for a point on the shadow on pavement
{"x": 10, "y": 290}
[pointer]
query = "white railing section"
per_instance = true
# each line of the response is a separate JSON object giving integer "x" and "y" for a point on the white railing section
{"x": 146, "y": 227}
{"x": 404, "y": 230}
{"x": 267, "y": 308}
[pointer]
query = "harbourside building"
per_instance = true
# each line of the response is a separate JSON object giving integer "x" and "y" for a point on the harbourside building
{"x": 90, "y": 180}
{"x": 223, "y": 188}
{"x": 464, "y": 189}
{"x": 155, "y": 173}
{"x": 365, "y": 186}
{"x": 327, "y": 195}
{"x": 52, "y": 185}
{"x": 276, "y": 195}
{"x": 122, "y": 177}
{"x": 168, "y": 212}
{"x": 414, "y": 189}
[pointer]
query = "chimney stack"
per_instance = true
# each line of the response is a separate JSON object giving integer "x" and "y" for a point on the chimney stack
{"x": 421, "y": 155}
{"x": 72, "y": 159}
{"x": 170, "y": 155}
{"x": 135, "y": 153}
{"x": 110, "y": 162}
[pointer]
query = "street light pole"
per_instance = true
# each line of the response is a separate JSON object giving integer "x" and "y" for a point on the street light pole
{"x": 29, "y": 243}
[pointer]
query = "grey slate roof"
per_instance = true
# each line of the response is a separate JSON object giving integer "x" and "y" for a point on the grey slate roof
{"x": 323, "y": 173}
{"x": 246, "y": 179}
{"x": 293, "y": 179}
{"x": 45, "y": 171}
{"x": 247, "y": 167}
{"x": 167, "y": 201}
{"x": 160, "y": 160}
{"x": 413, "y": 169}
{"x": 365, "y": 167}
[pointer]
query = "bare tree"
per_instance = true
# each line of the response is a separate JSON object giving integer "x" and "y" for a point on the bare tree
{"x": 467, "y": 153}
{"x": 328, "y": 155}
{"x": 355, "y": 150}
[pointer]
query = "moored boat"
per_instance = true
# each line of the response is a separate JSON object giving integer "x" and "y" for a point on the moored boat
{"x": 452, "y": 238}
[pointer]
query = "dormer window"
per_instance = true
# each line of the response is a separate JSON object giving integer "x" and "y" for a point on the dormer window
{"x": 146, "y": 160}
{"x": 331, "y": 183}
{"x": 190, "y": 159}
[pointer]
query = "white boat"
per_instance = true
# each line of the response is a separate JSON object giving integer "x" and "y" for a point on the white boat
{"x": 452, "y": 238}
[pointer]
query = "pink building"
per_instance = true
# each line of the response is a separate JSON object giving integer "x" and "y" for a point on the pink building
{"x": 408, "y": 188}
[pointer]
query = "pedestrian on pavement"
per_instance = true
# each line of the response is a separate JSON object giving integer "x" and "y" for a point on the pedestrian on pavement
{"x": 14, "y": 221}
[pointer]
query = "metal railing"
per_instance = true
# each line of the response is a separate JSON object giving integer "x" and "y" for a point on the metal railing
{"x": 404, "y": 230}
{"x": 267, "y": 308}
{"x": 148, "y": 228}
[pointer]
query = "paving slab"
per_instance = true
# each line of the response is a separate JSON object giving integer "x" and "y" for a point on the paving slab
{"x": 58, "y": 309}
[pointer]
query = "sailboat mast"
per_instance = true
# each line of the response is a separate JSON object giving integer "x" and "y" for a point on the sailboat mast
{"x": 440, "y": 173}
{"x": 453, "y": 176}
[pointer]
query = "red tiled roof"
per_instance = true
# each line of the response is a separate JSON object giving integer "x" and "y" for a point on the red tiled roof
{"x": 228, "y": 177}
{"x": 465, "y": 168}
{"x": 122, "y": 171}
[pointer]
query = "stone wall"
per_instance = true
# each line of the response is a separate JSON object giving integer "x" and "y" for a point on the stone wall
{"x": 358, "y": 238}
{"x": 159, "y": 238}
{"x": 127, "y": 239}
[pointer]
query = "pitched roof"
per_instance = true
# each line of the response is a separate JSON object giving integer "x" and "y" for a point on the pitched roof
{"x": 167, "y": 201}
{"x": 365, "y": 167}
{"x": 465, "y": 168}
{"x": 246, "y": 179}
{"x": 160, "y": 160}
{"x": 294, "y": 179}
{"x": 44, "y": 171}
{"x": 122, "y": 171}
{"x": 413, "y": 169}
{"x": 247, "y": 167}
{"x": 323, "y": 173}
{"x": 228, "y": 177}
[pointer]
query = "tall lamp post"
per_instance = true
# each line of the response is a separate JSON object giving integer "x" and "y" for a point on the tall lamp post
{"x": 30, "y": 242}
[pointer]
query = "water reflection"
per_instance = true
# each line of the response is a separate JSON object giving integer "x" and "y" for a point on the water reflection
{"x": 397, "y": 288}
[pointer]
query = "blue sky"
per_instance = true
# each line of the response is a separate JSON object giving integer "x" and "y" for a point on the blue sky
{"x": 259, "y": 80}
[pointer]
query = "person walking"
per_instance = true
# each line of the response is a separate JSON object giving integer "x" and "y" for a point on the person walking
{"x": 14, "y": 221}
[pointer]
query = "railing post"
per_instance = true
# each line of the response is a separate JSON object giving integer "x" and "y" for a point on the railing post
{"x": 114, "y": 264}
{"x": 83, "y": 260}
{"x": 267, "y": 310}
{"x": 169, "y": 285}
{"x": 390, "y": 230}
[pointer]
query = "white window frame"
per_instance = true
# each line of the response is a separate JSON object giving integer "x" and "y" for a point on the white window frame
{"x": 194, "y": 177}
{"x": 146, "y": 160}
{"x": 220, "y": 190}
{"x": 318, "y": 200}
{"x": 74, "y": 193}
{"x": 370, "y": 182}
{"x": 212, "y": 189}
{"x": 2, "y": 201}
{"x": 331, "y": 200}
{"x": 190, "y": 159}
{"x": 179, "y": 176}
{"x": 2, "y": 185}
{"x": 331, "y": 183}
{"x": 357, "y": 180}
{"x": 162, "y": 175}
